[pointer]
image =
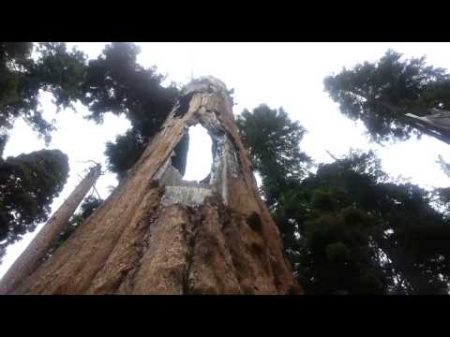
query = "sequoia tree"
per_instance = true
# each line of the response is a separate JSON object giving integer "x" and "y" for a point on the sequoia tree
{"x": 273, "y": 141}
{"x": 28, "y": 185}
{"x": 29, "y": 182}
{"x": 158, "y": 234}
{"x": 395, "y": 98}
{"x": 22, "y": 77}
{"x": 358, "y": 233}
{"x": 116, "y": 83}
{"x": 347, "y": 229}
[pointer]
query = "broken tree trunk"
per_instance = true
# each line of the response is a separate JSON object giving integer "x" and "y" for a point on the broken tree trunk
{"x": 159, "y": 234}
{"x": 32, "y": 257}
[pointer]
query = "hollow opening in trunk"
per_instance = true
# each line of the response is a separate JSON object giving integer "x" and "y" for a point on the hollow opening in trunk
{"x": 199, "y": 158}
{"x": 187, "y": 177}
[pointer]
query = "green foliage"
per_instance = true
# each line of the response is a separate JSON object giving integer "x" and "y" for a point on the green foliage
{"x": 28, "y": 184}
{"x": 273, "y": 142}
{"x": 379, "y": 94}
{"x": 347, "y": 229}
{"x": 334, "y": 254}
{"x": 23, "y": 77}
{"x": 60, "y": 72}
{"x": 116, "y": 83}
{"x": 359, "y": 233}
{"x": 12, "y": 55}
{"x": 124, "y": 152}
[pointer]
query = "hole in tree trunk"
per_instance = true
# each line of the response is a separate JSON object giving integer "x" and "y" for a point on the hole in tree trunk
{"x": 199, "y": 155}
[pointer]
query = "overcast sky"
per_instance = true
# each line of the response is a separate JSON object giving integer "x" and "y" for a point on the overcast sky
{"x": 288, "y": 75}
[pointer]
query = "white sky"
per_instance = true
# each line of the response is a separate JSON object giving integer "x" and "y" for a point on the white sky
{"x": 202, "y": 143}
{"x": 288, "y": 75}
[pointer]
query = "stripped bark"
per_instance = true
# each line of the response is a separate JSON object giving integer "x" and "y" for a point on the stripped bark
{"x": 158, "y": 234}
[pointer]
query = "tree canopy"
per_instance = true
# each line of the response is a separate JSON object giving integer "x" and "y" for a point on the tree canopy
{"x": 273, "y": 142}
{"x": 381, "y": 93}
{"x": 387, "y": 236}
{"x": 29, "y": 182}
{"x": 116, "y": 83}
{"x": 346, "y": 228}
{"x": 28, "y": 185}
{"x": 23, "y": 75}
{"x": 112, "y": 83}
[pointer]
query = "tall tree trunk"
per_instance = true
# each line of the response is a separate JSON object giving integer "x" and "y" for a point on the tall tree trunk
{"x": 32, "y": 257}
{"x": 159, "y": 234}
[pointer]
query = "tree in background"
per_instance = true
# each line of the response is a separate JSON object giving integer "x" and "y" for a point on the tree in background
{"x": 387, "y": 236}
{"x": 116, "y": 83}
{"x": 381, "y": 94}
{"x": 112, "y": 83}
{"x": 346, "y": 228}
{"x": 23, "y": 76}
{"x": 395, "y": 99}
{"x": 29, "y": 182}
{"x": 273, "y": 142}
{"x": 28, "y": 185}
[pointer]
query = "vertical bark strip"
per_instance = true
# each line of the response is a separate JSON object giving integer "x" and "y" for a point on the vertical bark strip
{"x": 30, "y": 259}
{"x": 158, "y": 234}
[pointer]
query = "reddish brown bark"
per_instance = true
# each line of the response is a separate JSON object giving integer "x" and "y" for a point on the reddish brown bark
{"x": 157, "y": 234}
